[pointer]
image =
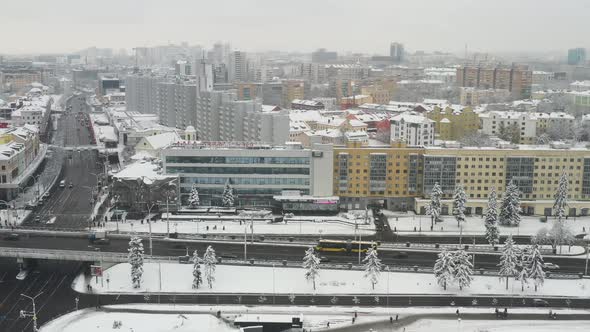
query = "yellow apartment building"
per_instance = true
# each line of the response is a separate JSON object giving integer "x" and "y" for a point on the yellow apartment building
{"x": 460, "y": 121}
{"x": 401, "y": 178}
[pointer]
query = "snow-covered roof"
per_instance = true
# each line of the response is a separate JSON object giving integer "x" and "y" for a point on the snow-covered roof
{"x": 307, "y": 116}
{"x": 150, "y": 172}
{"x": 107, "y": 134}
{"x": 411, "y": 118}
{"x": 162, "y": 140}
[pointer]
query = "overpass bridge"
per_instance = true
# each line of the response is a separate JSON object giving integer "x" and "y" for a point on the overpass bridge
{"x": 65, "y": 255}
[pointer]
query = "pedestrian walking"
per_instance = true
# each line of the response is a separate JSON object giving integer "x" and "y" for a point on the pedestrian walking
{"x": 396, "y": 317}
{"x": 505, "y": 313}
{"x": 390, "y": 320}
{"x": 497, "y": 312}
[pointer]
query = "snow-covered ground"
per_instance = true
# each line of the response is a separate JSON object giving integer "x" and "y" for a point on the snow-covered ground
{"x": 14, "y": 218}
{"x": 165, "y": 317}
{"x": 498, "y": 325}
{"x": 177, "y": 278}
{"x": 475, "y": 225}
{"x": 226, "y": 225}
{"x": 91, "y": 320}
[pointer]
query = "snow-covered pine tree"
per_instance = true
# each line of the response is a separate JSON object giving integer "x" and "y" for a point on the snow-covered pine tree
{"x": 510, "y": 209}
{"x": 434, "y": 207}
{"x": 561, "y": 197}
{"x": 463, "y": 269}
{"x": 372, "y": 266}
{"x": 444, "y": 268}
{"x": 509, "y": 261}
{"x": 209, "y": 260}
{"x": 522, "y": 264}
{"x": 491, "y": 218}
{"x": 459, "y": 202}
{"x": 535, "y": 267}
{"x": 560, "y": 234}
{"x": 193, "y": 199}
{"x": 135, "y": 259}
{"x": 197, "y": 277}
{"x": 311, "y": 264}
{"x": 227, "y": 198}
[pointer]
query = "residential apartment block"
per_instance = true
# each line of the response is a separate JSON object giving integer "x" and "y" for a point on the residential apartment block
{"x": 516, "y": 79}
{"x": 522, "y": 127}
{"x": 413, "y": 129}
{"x": 221, "y": 117}
{"x": 401, "y": 177}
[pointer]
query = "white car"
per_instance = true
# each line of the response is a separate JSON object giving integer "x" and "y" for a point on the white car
{"x": 22, "y": 275}
{"x": 550, "y": 266}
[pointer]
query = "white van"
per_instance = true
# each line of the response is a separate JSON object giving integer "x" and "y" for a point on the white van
{"x": 62, "y": 183}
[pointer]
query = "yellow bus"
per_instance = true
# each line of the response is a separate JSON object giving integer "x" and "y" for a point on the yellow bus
{"x": 344, "y": 246}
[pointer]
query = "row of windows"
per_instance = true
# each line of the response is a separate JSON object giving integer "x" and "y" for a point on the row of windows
{"x": 236, "y": 170}
{"x": 246, "y": 181}
{"x": 242, "y": 191}
{"x": 237, "y": 160}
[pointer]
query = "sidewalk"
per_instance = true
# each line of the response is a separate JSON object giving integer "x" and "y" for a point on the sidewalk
{"x": 419, "y": 224}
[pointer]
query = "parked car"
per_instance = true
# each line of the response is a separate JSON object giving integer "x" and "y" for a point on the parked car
{"x": 324, "y": 259}
{"x": 540, "y": 303}
{"x": 71, "y": 185}
{"x": 12, "y": 237}
{"x": 550, "y": 266}
{"x": 62, "y": 183}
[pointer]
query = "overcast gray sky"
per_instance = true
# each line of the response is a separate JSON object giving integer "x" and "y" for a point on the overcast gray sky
{"x": 361, "y": 25}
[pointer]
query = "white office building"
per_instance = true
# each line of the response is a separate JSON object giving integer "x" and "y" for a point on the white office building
{"x": 257, "y": 172}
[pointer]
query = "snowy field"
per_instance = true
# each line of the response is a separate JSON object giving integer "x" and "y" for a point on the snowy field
{"x": 230, "y": 226}
{"x": 89, "y": 320}
{"x": 165, "y": 318}
{"x": 454, "y": 325}
{"x": 475, "y": 225}
{"x": 177, "y": 278}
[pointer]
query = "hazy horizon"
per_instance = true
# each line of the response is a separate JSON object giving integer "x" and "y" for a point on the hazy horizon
{"x": 63, "y": 26}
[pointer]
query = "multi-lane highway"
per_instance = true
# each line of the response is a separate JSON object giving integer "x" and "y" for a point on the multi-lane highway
{"x": 291, "y": 252}
{"x": 72, "y": 205}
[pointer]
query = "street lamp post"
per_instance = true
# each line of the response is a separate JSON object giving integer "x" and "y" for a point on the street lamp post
{"x": 587, "y": 240}
{"x": 150, "y": 228}
{"x": 387, "y": 269}
{"x": 245, "y": 240}
{"x": 33, "y": 313}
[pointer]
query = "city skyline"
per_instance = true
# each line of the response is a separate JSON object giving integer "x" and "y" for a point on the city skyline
{"x": 267, "y": 25}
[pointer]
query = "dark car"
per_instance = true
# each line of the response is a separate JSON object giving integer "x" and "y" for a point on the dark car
{"x": 103, "y": 241}
{"x": 540, "y": 303}
{"x": 12, "y": 237}
{"x": 401, "y": 254}
{"x": 184, "y": 259}
{"x": 229, "y": 256}
{"x": 324, "y": 259}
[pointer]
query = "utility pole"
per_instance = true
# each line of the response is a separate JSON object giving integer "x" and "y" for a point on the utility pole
{"x": 33, "y": 313}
